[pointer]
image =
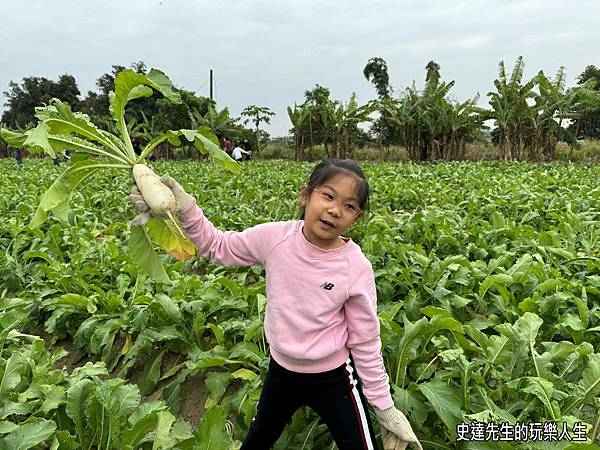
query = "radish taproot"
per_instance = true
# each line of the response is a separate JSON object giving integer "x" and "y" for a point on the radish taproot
{"x": 157, "y": 195}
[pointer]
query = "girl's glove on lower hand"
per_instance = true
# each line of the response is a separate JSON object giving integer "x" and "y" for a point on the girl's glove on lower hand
{"x": 396, "y": 432}
{"x": 183, "y": 199}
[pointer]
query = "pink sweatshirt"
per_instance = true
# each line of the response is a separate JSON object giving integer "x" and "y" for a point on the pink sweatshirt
{"x": 321, "y": 304}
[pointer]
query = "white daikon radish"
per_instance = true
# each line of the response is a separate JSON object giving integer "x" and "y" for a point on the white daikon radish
{"x": 156, "y": 194}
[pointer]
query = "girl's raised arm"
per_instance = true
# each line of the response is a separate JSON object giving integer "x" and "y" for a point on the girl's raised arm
{"x": 229, "y": 248}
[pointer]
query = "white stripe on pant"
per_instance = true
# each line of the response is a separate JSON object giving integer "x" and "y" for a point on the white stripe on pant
{"x": 359, "y": 406}
{"x": 334, "y": 395}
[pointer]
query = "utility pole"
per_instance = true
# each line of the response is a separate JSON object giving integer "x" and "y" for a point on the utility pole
{"x": 211, "y": 84}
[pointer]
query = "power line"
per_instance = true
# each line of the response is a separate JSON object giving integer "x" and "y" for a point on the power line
{"x": 200, "y": 88}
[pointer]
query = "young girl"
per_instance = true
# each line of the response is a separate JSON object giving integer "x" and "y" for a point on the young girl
{"x": 321, "y": 316}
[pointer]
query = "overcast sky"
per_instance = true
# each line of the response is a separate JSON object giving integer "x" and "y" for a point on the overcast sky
{"x": 269, "y": 52}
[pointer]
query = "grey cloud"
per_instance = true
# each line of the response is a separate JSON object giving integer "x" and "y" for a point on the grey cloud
{"x": 270, "y": 52}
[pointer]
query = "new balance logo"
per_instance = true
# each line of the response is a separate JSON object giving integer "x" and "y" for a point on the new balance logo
{"x": 327, "y": 286}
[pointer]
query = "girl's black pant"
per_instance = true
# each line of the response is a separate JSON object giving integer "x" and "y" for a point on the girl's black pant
{"x": 334, "y": 395}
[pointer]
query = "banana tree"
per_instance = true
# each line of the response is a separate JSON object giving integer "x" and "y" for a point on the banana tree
{"x": 529, "y": 122}
{"x": 297, "y": 116}
{"x": 511, "y": 110}
{"x": 347, "y": 117}
{"x": 219, "y": 122}
{"x": 431, "y": 126}
{"x": 326, "y": 118}
{"x": 59, "y": 128}
{"x": 553, "y": 104}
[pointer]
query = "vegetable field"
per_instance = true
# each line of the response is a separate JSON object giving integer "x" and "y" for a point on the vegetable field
{"x": 488, "y": 279}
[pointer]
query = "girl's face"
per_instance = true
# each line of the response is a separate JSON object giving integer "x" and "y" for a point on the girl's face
{"x": 330, "y": 210}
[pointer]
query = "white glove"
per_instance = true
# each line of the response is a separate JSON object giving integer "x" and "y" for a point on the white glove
{"x": 183, "y": 199}
{"x": 396, "y": 432}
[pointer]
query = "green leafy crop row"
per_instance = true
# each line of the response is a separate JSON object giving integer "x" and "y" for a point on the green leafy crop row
{"x": 488, "y": 279}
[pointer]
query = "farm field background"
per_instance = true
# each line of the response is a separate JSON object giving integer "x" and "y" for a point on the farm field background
{"x": 488, "y": 279}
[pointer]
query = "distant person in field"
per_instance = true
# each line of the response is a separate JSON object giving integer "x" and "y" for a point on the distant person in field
{"x": 321, "y": 314}
{"x": 19, "y": 154}
{"x": 238, "y": 153}
{"x": 248, "y": 147}
{"x": 227, "y": 145}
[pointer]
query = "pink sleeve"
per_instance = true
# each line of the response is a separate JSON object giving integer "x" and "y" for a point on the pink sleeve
{"x": 229, "y": 248}
{"x": 364, "y": 342}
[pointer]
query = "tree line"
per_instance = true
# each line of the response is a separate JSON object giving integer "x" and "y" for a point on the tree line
{"x": 146, "y": 116}
{"x": 528, "y": 117}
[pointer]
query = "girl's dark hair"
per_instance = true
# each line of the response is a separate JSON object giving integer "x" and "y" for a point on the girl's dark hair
{"x": 329, "y": 169}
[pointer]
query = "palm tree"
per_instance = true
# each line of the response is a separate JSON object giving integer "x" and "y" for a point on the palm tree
{"x": 433, "y": 74}
{"x": 376, "y": 72}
